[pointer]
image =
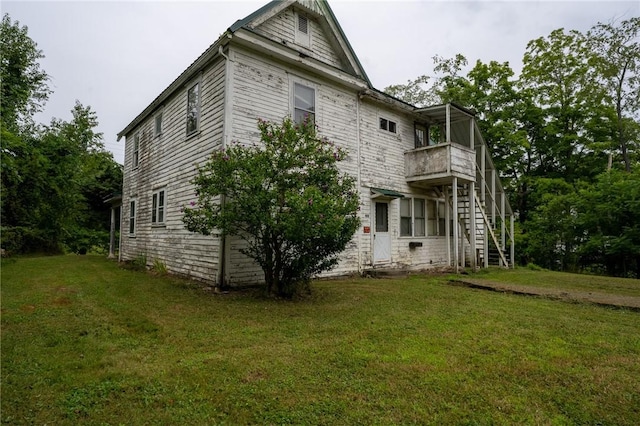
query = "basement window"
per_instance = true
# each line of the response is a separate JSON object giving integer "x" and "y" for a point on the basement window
{"x": 388, "y": 125}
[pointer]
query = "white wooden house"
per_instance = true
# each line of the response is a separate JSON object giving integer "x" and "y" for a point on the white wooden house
{"x": 430, "y": 195}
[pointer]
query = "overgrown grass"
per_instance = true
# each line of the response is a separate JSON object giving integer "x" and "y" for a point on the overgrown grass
{"x": 549, "y": 279}
{"x": 84, "y": 341}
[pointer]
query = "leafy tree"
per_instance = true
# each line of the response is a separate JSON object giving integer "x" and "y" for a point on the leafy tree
{"x": 616, "y": 56}
{"x": 416, "y": 92}
{"x": 286, "y": 198}
{"x": 53, "y": 177}
{"x": 23, "y": 85}
{"x": 608, "y": 219}
{"x": 562, "y": 83}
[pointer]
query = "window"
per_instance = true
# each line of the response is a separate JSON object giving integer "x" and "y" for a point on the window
{"x": 412, "y": 217}
{"x": 436, "y": 217}
{"x": 304, "y": 103}
{"x": 382, "y": 217}
{"x": 158, "y": 204}
{"x": 132, "y": 217}
{"x": 388, "y": 125}
{"x": 303, "y": 33}
{"x": 136, "y": 149}
{"x": 193, "y": 108}
{"x": 405, "y": 217}
{"x": 421, "y": 134}
{"x": 418, "y": 217}
{"x": 157, "y": 129}
{"x": 432, "y": 222}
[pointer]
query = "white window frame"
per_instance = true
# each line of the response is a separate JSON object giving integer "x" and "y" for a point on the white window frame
{"x": 135, "y": 160}
{"x": 414, "y": 219}
{"x": 159, "y": 206}
{"x": 157, "y": 129}
{"x": 133, "y": 210}
{"x": 198, "y": 114}
{"x": 295, "y": 107}
{"x": 303, "y": 34}
{"x": 388, "y": 125}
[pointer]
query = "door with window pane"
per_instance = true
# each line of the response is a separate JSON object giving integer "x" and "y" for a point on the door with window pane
{"x": 381, "y": 236}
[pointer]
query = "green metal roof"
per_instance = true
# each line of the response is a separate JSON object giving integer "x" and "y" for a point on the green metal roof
{"x": 387, "y": 193}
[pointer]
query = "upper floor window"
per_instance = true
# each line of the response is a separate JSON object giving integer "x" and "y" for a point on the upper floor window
{"x": 412, "y": 217}
{"x": 193, "y": 108}
{"x": 303, "y": 30}
{"x": 304, "y": 103}
{"x": 136, "y": 150}
{"x": 421, "y": 135}
{"x": 158, "y": 203}
{"x": 157, "y": 128}
{"x": 132, "y": 217}
{"x": 388, "y": 125}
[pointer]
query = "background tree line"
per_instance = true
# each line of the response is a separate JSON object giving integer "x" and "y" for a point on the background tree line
{"x": 565, "y": 136}
{"x": 54, "y": 177}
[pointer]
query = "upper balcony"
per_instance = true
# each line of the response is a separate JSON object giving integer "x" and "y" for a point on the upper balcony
{"x": 438, "y": 164}
{"x": 445, "y": 147}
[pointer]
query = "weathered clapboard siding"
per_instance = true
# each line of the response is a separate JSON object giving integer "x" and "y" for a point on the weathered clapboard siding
{"x": 282, "y": 28}
{"x": 262, "y": 89}
{"x": 167, "y": 162}
{"x": 382, "y": 165}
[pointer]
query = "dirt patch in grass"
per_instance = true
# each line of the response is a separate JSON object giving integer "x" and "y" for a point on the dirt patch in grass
{"x": 618, "y": 301}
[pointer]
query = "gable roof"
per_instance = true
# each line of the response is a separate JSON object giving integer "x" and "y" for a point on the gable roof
{"x": 320, "y": 9}
{"x": 325, "y": 16}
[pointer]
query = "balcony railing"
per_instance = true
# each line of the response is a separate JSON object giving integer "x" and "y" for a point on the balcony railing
{"x": 438, "y": 164}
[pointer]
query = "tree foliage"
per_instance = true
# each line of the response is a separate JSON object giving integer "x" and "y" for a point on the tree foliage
{"x": 23, "y": 85}
{"x": 285, "y": 197}
{"x": 54, "y": 177}
{"x": 559, "y": 134}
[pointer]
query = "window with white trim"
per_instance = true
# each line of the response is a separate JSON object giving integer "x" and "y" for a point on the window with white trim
{"x": 158, "y": 205}
{"x": 193, "y": 109}
{"x": 136, "y": 150}
{"x": 412, "y": 217}
{"x": 388, "y": 125}
{"x": 132, "y": 217}
{"x": 157, "y": 128}
{"x": 304, "y": 103}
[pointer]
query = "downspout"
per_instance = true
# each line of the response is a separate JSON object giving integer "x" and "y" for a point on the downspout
{"x": 360, "y": 268}
{"x": 227, "y": 107}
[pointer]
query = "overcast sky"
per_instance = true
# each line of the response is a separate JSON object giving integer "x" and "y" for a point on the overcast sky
{"x": 118, "y": 56}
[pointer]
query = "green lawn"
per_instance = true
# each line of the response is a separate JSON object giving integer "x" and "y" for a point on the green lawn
{"x": 577, "y": 282}
{"x": 84, "y": 341}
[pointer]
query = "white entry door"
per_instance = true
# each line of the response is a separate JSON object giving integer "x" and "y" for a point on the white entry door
{"x": 381, "y": 236}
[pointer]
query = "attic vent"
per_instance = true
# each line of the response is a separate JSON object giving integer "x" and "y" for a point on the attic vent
{"x": 303, "y": 24}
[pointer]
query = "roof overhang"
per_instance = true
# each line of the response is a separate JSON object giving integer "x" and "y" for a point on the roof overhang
{"x": 197, "y": 65}
{"x": 381, "y": 193}
{"x": 438, "y": 113}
